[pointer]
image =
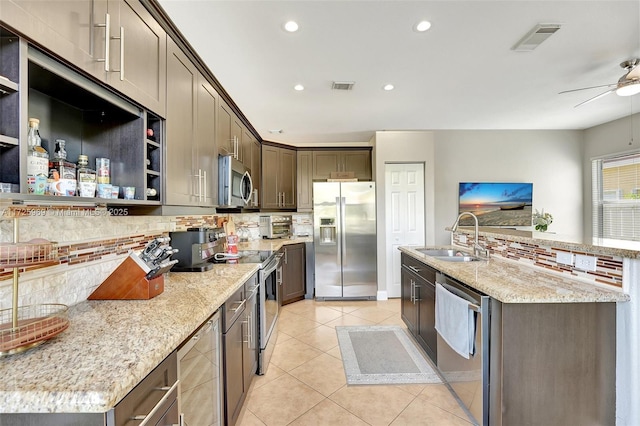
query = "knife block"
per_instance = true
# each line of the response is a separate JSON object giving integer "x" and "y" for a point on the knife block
{"x": 128, "y": 282}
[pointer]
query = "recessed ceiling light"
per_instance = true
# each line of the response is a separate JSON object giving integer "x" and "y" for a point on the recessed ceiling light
{"x": 291, "y": 26}
{"x": 422, "y": 26}
{"x": 275, "y": 131}
{"x": 298, "y": 87}
{"x": 388, "y": 87}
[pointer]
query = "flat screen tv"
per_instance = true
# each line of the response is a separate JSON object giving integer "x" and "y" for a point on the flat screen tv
{"x": 496, "y": 203}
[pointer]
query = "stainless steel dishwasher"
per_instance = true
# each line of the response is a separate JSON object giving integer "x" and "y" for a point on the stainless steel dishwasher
{"x": 200, "y": 374}
{"x": 469, "y": 378}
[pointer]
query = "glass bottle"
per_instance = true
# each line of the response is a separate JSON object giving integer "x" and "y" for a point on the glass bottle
{"x": 62, "y": 173}
{"x": 86, "y": 178}
{"x": 37, "y": 160}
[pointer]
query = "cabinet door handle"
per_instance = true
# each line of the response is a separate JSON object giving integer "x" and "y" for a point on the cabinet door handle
{"x": 121, "y": 38}
{"x": 284, "y": 199}
{"x": 107, "y": 34}
{"x": 412, "y": 290}
{"x": 204, "y": 185}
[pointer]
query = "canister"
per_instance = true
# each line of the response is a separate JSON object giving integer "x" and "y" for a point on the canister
{"x": 103, "y": 170}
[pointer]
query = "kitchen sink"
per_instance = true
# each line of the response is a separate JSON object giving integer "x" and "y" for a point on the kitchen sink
{"x": 449, "y": 255}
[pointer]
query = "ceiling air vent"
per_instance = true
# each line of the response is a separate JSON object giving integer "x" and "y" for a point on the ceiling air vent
{"x": 342, "y": 85}
{"x": 535, "y": 37}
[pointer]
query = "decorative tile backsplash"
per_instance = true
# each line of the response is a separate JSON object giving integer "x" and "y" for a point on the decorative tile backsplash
{"x": 608, "y": 268}
{"x": 91, "y": 245}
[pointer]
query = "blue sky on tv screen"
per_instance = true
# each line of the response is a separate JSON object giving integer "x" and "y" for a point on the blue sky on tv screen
{"x": 495, "y": 193}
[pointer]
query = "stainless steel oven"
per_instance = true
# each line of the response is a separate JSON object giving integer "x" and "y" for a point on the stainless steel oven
{"x": 268, "y": 305}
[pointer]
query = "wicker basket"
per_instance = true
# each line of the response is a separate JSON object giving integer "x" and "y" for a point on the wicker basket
{"x": 36, "y": 323}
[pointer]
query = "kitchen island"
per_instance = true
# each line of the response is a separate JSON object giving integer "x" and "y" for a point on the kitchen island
{"x": 545, "y": 346}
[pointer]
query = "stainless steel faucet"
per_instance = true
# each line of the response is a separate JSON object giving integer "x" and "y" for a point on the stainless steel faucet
{"x": 477, "y": 248}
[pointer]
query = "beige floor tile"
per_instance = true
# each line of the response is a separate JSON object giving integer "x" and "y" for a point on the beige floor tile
{"x": 299, "y": 326}
{"x": 394, "y": 320}
{"x": 393, "y": 305}
{"x": 420, "y": 412}
{"x": 335, "y": 352}
{"x": 328, "y": 413}
{"x": 440, "y": 396}
{"x": 376, "y": 405}
{"x": 281, "y": 401}
{"x": 373, "y": 314}
{"x": 281, "y": 338}
{"x": 321, "y": 314}
{"x": 247, "y": 418}
{"x": 324, "y": 373}
{"x": 412, "y": 389}
{"x": 348, "y": 319}
{"x": 323, "y": 338}
{"x": 347, "y": 305}
{"x": 292, "y": 354}
{"x": 273, "y": 372}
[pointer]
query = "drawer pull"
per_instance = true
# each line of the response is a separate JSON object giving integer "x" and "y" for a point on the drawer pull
{"x": 240, "y": 306}
{"x": 160, "y": 405}
{"x": 414, "y": 269}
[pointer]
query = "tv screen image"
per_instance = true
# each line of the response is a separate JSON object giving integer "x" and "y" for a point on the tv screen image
{"x": 496, "y": 203}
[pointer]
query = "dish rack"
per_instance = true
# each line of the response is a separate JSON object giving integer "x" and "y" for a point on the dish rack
{"x": 24, "y": 327}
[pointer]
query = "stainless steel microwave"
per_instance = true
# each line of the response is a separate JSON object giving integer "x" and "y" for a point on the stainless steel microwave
{"x": 235, "y": 187}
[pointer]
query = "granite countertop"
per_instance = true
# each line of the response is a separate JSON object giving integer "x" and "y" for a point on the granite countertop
{"x": 512, "y": 283}
{"x": 110, "y": 346}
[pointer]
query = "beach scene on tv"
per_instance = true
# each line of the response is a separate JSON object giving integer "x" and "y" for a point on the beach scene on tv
{"x": 496, "y": 203}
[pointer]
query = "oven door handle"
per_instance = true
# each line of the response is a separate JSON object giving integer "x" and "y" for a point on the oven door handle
{"x": 272, "y": 265}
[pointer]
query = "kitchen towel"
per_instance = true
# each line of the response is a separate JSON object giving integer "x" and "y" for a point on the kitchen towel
{"x": 455, "y": 322}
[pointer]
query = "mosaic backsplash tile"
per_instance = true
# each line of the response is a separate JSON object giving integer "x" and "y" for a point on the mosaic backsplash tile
{"x": 91, "y": 244}
{"x": 608, "y": 268}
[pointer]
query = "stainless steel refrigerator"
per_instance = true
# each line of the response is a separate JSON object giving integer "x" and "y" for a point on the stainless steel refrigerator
{"x": 344, "y": 236}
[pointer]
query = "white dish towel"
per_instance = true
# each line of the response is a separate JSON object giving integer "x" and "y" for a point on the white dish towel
{"x": 455, "y": 322}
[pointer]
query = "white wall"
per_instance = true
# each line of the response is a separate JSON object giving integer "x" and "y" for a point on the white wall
{"x": 401, "y": 147}
{"x": 551, "y": 159}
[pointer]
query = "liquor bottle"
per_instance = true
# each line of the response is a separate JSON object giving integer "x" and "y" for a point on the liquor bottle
{"x": 37, "y": 160}
{"x": 62, "y": 173}
{"x": 86, "y": 178}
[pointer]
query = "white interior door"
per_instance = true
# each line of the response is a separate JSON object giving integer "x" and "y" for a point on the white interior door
{"x": 404, "y": 201}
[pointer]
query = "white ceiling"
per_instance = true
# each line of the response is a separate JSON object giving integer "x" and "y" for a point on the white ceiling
{"x": 461, "y": 74}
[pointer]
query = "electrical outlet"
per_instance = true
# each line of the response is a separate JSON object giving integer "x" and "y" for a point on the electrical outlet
{"x": 462, "y": 238}
{"x": 586, "y": 263}
{"x": 564, "y": 258}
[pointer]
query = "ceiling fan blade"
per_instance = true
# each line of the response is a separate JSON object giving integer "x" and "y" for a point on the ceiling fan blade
{"x": 634, "y": 73}
{"x": 596, "y": 97}
{"x": 586, "y": 88}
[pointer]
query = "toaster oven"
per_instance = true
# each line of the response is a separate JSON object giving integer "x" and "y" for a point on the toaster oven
{"x": 276, "y": 226}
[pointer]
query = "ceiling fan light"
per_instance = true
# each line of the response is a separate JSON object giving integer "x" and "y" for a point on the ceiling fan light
{"x": 629, "y": 89}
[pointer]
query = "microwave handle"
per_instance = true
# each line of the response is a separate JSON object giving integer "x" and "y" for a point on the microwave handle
{"x": 246, "y": 197}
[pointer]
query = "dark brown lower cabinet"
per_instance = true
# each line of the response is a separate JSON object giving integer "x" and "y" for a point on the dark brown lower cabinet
{"x": 293, "y": 273}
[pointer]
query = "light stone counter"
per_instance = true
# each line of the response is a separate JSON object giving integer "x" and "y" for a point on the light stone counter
{"x": 110, "y": 346}
{"x": 512, "y": 283}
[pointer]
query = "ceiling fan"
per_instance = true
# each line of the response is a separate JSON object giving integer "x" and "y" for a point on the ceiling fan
{"x": 627, "y": 85}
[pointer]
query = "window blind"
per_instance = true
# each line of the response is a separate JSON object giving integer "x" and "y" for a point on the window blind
{"x": 616, "y": 197}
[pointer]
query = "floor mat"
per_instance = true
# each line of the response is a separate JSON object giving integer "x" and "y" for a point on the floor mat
{"x": 379, "y": 354}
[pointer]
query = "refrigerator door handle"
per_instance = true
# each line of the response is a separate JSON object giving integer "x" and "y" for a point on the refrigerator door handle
{"x": 343, "y": 233}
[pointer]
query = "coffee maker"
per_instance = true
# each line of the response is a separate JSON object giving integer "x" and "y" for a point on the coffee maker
{"x": 197, "y": 248}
